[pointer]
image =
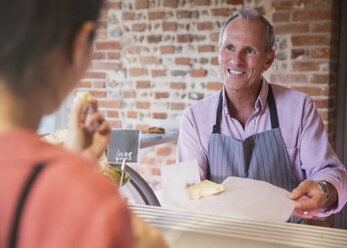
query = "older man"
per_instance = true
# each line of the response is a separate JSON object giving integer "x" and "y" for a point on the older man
{"x": 263, "y": 131}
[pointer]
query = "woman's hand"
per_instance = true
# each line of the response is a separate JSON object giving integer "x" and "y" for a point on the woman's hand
{"x": 88, "y": 133}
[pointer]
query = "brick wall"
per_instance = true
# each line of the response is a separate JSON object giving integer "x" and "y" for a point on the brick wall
{"x": 153, "y": 58}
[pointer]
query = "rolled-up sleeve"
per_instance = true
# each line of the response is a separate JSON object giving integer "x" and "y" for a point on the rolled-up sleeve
{"x": 189, "y": 144}
{"x": 318, "y": 160}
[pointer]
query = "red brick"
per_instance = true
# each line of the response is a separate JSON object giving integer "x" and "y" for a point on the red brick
{"x": 106, "y": 65}
{"x": 142, "y": 105}
{"x": 164, "y": 151}
{"x": 84, "y": 84}
{"x": 110, "y": 104}
{"x": 214, "y": 37}
{"x": 99, "y": 84}
{"x": 201, "y": 2}
{"x": 297, "y": 53}
{"x": 214, "y": 86}
{"x": 321, "y": 27}
{"x": 167, "y": 49}
{"x": 169, "y": 26}
{"x": 288, "y": 79}
{"x": 158, "y": 73}
{"x": 128, "y": 16}
{"x": 290, "y": 4}
{"x": 235, "y": 2}
{"x": 154, "y": 38}
{"x": 184, "y": 38}
{"x": 132, "y": 115}
{"x": 322, "y": 4}
{"x": 142, "y": 127}
{"x": 171, "y": 3}
{"x": 291, "y": 28}
{"x": 322, "y": 103}
{"x": 221, "y": 12}
{"x": 143, "y": 84}
{"x": 112, "y": 5}
{"x": 214, "y": 61}
{"x": 129, "y": 94}
{"x": 112, "y": 114}
{"x": 159, "y": 95}
{"x": 161, "y": 116}
{"x": 149, "y": 160}
{"x": 182, "y": 61}
{"x": 156, "y": 172}
{"x": 94, "y": 75}
{"x": 320, "y": 79}
{"x": 205, "y": 26}
{"x": 134, "y": 50}
{"x": 311, "y": 15}
{"x": 113, "y": 55}
{"x": 320, "y": 53}
{"x": 260, "y": 10}
{"x": 170, "y": 161}
{"x": 181, "y": 14}
{"x": 281, "y": 17}
{"x": 206, "y": 48}
{"x": 177, "y": 106}
{"x": 101, "y": 35}
{"x": 141, "y": 4}
{"x": 107, "y": 45}
{"x": 149, "y": 60}
{"x": 198, "y": 73}
{"x": 98, "y": 94}
{"x": 310, "y": 66}
{"x": 156, "y": 15}
{"x": 313, "y": 90}
{"x": 179, "y": 86}
{"x": 136, "y": 72}
{"x": 138, "y": 27}
{"x": 101, "y": 25}
{"x": 309, "y": 40}
{"x": 324, "y": 114}
{"x": 98, "y": 55}
{"x": 115, "y": 124}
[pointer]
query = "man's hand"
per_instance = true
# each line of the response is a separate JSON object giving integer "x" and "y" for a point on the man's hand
{"x": 310, "y": 199}
{"x": 87, "y": 133}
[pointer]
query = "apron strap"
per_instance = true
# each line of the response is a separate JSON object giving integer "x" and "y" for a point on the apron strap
{"x": 216, "y": 127}
{"x": 20, "y": 205}
{"x": 272, "y": 107}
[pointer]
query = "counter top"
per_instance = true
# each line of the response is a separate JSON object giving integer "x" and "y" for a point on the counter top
{"x": 189, "y": 229}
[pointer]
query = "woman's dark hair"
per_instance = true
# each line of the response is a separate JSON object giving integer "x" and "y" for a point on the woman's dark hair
{"x": 29, "y": 29}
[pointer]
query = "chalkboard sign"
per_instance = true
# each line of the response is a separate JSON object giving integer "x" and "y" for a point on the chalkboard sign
{"x": 124, "y": 144}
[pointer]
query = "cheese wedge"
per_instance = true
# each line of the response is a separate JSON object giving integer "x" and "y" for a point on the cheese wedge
{"x": 85, "y": 98}
{"x": 203, "y": 189}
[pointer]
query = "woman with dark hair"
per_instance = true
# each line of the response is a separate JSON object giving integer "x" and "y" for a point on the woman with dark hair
{"x": 50, "y": 197}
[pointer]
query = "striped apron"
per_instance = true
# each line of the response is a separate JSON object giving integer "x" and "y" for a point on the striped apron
{"x": 262, "y": 156}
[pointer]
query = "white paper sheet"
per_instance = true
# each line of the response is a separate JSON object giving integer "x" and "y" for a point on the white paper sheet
{"x": 176, "y": 178}
{"x": 241, "y": 198}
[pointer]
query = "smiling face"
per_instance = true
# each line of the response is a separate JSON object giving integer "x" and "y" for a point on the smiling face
{"x": 242, "y": 57}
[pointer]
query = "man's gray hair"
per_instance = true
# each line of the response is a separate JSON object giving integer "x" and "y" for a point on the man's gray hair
{"x": 251, "y": 15}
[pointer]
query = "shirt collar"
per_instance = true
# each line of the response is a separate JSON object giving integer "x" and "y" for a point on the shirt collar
{"x": 259, "y": 103}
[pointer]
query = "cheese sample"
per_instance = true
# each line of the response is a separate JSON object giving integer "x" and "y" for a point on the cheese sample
{"x": 203, "y": 189}
{"x": 85, "y": 98}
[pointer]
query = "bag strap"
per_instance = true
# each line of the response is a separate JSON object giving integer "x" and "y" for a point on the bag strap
{"x": 20, "y": 205}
